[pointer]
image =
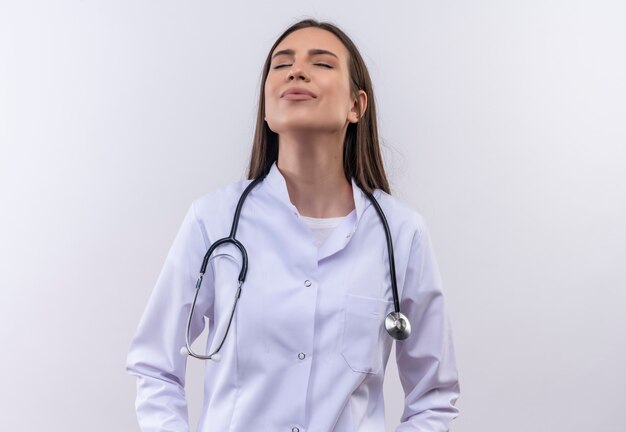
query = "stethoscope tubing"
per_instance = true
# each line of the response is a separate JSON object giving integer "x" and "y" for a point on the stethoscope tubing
{"x": 242, "y": 274}
{"x": 392, "y": 261}
{"x": 396, "y": 323}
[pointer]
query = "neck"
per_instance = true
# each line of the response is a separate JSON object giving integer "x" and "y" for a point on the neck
{"x": 313, "y": 170}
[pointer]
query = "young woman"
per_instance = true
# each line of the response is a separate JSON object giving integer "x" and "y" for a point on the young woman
{"x": 303, "y": 307}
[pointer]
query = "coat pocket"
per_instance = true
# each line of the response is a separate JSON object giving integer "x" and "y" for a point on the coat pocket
{"x": 363, "y": 332}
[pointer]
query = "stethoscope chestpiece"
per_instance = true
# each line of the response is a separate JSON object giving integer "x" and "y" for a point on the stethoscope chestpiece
{"x": 397, "y": 325}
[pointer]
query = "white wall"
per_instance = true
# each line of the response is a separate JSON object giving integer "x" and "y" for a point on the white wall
{"x": 504, "y": 124}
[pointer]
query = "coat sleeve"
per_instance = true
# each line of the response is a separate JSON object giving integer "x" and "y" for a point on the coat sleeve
{"x": 154, "y": 356}
{"x": 426, "y": 360}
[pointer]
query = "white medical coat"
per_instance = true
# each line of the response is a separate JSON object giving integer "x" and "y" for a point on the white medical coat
{"x": 307, "y": 348}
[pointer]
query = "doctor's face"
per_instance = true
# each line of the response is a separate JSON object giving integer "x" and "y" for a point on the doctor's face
{"x": 315, "y": 62}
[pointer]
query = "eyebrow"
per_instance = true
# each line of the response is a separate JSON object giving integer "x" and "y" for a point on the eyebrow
{"x": 312, "y": 52}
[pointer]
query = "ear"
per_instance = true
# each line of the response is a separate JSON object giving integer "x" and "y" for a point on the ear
{"x": 359, "y": 105}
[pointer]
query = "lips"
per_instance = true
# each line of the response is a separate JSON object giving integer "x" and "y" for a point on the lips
{"x": 298, "y": 93}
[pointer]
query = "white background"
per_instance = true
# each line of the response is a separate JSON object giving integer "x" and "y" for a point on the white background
{"x": 503, "y": 123}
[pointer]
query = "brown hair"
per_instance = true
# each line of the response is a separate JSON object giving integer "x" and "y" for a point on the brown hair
{"x": 361, "y": 151}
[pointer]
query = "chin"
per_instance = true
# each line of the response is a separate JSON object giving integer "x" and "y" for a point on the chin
{"x": 303, "y": 125}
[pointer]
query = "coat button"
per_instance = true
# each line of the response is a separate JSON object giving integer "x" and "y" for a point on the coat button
{"x": 301, "y": 356}
{"x": 307, "y": 283}
{"x": 295, "y": 429}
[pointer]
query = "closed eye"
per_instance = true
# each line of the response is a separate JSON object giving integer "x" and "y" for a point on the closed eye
{"x": 316, "y": 64}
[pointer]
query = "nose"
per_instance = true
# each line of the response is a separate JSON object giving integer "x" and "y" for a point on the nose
{"x": 296, "y": 72}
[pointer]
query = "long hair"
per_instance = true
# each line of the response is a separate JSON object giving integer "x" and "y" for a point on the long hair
{"x": 361, "y": 150}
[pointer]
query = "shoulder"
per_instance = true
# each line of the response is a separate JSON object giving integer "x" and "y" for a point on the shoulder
{"x": 411, "y": 236}
{"x": 220, "y": 198}
{"x": 213, "y": 211}
{"x": 401, "y": 215}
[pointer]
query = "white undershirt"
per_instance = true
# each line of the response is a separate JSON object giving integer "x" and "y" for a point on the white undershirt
{"x": 322, "y": 227}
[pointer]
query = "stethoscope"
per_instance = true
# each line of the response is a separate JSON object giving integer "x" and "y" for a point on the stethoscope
{"x": 396, "y": 323}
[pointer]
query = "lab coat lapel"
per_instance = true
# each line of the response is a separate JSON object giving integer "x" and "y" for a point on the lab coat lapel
{"x": 341, "y": 235}
{"x": 278, "y": 187}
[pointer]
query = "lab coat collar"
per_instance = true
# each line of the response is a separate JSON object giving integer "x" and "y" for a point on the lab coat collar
{"x": 278, "y": 184}
{"x": 342, "y": 234}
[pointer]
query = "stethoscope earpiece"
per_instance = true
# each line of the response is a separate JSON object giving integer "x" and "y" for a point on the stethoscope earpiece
{"x": 397, "y": 325}
{"x": 185, "y": 352}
